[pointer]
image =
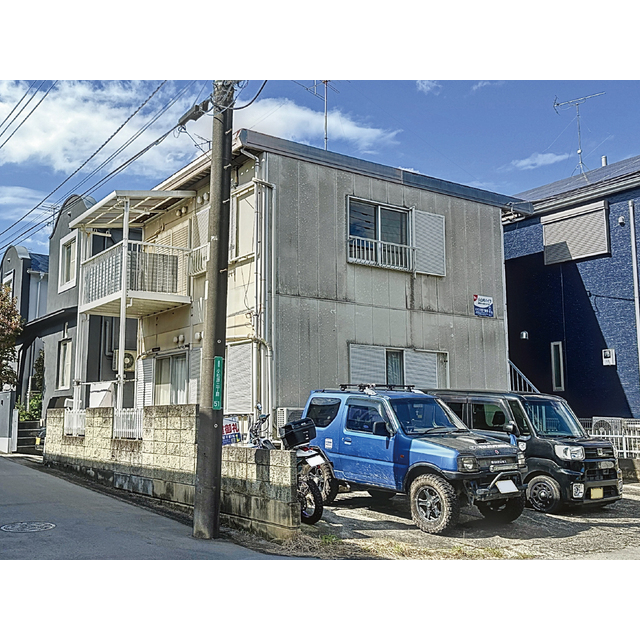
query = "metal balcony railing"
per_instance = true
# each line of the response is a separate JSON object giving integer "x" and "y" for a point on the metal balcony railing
{"x": 382, "y": 254}
{"x": 198, "y": 260}
{"x": 151, "y": 268}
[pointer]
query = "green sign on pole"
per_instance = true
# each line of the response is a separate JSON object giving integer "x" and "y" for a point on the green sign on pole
{"x": 218, "y": 368}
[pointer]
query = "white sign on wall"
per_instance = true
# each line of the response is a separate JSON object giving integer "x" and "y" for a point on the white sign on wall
{"x": 483, "y": 306}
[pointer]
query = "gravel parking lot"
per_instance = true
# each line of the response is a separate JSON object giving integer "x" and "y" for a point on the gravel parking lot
{"x": 356, "y": 526}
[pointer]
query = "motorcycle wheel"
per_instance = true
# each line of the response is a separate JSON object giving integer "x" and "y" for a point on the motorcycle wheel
{"x": 323, "y": 476}
{"x": 310, "y": 500}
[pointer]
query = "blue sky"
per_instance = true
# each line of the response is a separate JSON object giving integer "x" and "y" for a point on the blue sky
{"x": 504, "y": 136}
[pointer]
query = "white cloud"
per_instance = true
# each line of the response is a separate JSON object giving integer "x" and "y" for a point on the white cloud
{"x": 428, "y": 86}
{"x": 536, "y": 160}
{"x": 486, "y": 83}
{"x": 78, "y": 117}
{"x": 15, "y": 202}
{"x": 284, "y": 118}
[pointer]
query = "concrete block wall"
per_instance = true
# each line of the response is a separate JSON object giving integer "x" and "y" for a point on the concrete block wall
{"x": 258, "y": 486}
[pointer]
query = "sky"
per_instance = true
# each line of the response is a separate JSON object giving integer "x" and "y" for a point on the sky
{"x": 65, "y": 137}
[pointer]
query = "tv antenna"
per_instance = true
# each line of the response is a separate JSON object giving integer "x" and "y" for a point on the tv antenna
{"x": 313, "y": 89}
{"x": 577, "y": 102}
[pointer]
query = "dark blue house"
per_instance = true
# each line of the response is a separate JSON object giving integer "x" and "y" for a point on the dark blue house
{"x": 573, "y": 290}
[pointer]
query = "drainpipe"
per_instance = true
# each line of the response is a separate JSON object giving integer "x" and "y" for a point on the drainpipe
{"x": 123, "y": 304}
{"x": 634, "y": 264}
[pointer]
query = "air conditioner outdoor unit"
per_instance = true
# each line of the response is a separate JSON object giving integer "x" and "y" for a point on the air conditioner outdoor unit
{"x": 129, "y": 360}
{"x": 287, "y": 414}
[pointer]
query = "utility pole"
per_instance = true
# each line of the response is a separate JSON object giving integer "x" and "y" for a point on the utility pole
{"x": 206, "y": 511}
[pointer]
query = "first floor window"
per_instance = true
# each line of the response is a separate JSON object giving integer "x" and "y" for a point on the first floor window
{"x": 64, "y": 365}
{"x": 395, "y": 367}
{"x": 171, "y": 380}
{"x": 557, "y": 366}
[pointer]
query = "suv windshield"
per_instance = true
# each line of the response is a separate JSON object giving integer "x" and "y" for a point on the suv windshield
{"x": 553, "y": 418}
{"x": 419, "y": 416}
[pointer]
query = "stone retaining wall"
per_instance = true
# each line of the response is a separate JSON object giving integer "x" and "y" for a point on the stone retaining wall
{"x": 258, "y": 486}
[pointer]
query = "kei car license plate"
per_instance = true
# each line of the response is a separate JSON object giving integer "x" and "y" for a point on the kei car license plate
{"x": 597, "y": 493}
{"x": 314, "y": 461}
{"x": 506, "y": 486}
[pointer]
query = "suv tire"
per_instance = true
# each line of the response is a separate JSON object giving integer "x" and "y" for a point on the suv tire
{"x": 502, "y": 511}
{"x": 543, "y": 494}
{"x": 434, "y": 504}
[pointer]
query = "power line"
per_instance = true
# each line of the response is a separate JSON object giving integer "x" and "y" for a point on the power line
{"x": 26, "y": 93}
{"x": 28, "y": 115}
{"x": 23, "y": 108}
{"x": 86, "y": 161}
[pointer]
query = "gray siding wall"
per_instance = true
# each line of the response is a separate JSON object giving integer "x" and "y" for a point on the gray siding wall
{"x": 323, "y": 303}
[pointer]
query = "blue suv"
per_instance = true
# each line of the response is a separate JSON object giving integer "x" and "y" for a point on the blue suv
{"x": 393, "y": 439}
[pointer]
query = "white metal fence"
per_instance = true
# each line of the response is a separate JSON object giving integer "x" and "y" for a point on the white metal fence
{"x": 623, "y": 433}
{"x": 74, "y": 420}
{"x": 127, "y": 423}
{"x": 385, "y": 254}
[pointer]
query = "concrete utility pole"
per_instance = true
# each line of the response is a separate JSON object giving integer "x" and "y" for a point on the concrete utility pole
{"x": 206, "y": 512}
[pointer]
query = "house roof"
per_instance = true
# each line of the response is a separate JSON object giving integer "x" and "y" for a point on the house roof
{"x": 39, "y": 262}
{"x": 254, "y": 141}
{"x": 109, "y": 212}
{"x": 597, "y": 183}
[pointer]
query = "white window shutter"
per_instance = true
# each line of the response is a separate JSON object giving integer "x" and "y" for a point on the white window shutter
{"x": 579, "y": 233}
{"x": 367, "y": 364}
{"x": 200, "y": 229}
{"x": 195, "y": 357}
{"x": 144, "y": 382}
{"x": 429, "y": 243}
{"x": 238, "y": 379}
{"x": 421, "y": 369}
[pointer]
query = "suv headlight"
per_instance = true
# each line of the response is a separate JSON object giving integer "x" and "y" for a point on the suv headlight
{"x": 566, "y": 452}
{"x": 467, "y": 463}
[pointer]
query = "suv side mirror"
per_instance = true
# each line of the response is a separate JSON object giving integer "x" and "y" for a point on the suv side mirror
{"x": 511, "y": 427}
{"x": 380, "y": 428}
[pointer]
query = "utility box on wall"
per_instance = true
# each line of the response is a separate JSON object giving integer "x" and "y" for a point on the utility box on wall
{"x": 608, "y": 357}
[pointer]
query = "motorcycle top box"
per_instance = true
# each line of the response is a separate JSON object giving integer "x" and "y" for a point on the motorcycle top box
{"x": 298, "y": 432}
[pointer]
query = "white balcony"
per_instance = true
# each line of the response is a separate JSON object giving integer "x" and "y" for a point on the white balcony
{"x": 381, "y": 254}
{"x": 157, "y": 279}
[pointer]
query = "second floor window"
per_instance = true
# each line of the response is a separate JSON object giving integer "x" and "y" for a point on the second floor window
{"x": 68, "y": 252}
{"x": 379, "y": 234}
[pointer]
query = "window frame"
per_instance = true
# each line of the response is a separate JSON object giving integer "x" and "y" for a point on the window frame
{"x": 377, "y": 259}
{"x": 64, "y": 366}
{"x": 71, "y": 238}
{"x": 557, "y": 366}
{"x": 173, "y": 390}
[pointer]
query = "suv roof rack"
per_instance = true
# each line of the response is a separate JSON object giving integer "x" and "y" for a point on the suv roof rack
{"x": 373, "y": 387}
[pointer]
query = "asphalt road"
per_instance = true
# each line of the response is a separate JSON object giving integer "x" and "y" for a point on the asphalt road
{"x": 92, "y": 526}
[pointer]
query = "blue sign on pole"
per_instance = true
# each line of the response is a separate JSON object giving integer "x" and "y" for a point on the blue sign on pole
{"x": 218, "y": 372}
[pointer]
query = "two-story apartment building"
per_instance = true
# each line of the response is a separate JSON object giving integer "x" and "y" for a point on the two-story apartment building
{"x": 340, "y": 270}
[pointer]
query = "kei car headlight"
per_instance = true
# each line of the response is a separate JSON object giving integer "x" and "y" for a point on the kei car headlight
{"x": 467, "y": 463}
{"x": 565, "y": 452}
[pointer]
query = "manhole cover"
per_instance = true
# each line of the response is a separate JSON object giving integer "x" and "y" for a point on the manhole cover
{"x": 27, "y": 527}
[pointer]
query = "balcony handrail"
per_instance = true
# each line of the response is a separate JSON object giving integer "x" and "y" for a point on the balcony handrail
{"x": 102, "y": 253}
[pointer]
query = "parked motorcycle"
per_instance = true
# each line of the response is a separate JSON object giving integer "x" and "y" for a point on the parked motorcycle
{"x": 308, "y": 492}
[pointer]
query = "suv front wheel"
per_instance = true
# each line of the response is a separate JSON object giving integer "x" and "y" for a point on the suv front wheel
{"x": 434, "y": 504}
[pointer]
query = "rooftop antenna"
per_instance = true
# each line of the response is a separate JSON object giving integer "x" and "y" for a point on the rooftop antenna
{"x": 313, "y": 89}
{"x": 577, "y": 102}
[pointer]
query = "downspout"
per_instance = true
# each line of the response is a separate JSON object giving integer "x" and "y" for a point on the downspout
{"x": 504, "y": 298}
{"x": 634, "y": 264}
{"x": 123, "y": 304}
{"x": 263, "y": 300}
